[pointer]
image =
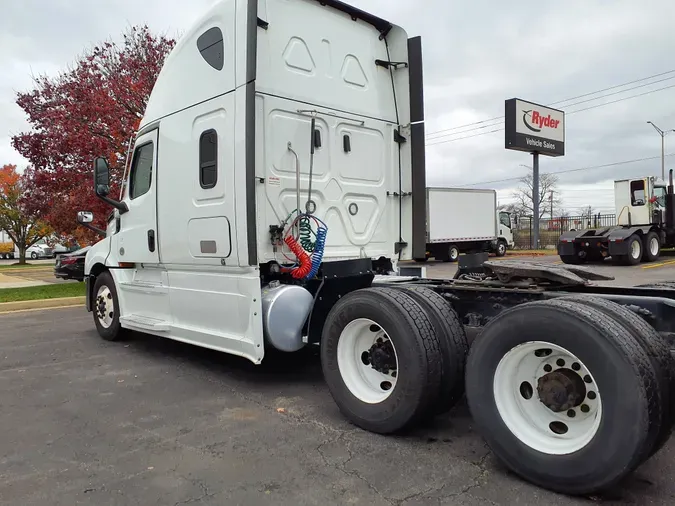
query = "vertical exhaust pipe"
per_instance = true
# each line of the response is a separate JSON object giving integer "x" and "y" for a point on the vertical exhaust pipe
{"x": 670, "y": 204}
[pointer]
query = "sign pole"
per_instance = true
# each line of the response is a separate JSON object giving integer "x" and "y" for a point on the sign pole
{"x": 535, "y": 198}
{"x": 539, "y": 130}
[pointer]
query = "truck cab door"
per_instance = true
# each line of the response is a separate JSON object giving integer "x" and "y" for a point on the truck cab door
{"x": 136, "y": 240}
{"x": 506, "y": 227}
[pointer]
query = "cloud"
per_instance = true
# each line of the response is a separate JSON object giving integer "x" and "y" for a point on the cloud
{"x": 476, "y": 55}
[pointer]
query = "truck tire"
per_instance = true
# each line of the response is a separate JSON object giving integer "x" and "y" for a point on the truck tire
{"x": 453, "y": 253}
{"x": 381, "y": 359}
{"x": 659, "y": 354}
{"x": 652, "y": 247}
{"x": 542, "y": 431}
{"x": 453, "y": 343}
{"x": 635, "y": 250}
{"x": 105, "y": 308}
{"x": 501, "y": 248}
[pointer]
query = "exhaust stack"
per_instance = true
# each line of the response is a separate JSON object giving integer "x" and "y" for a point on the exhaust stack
{"x": 670, "y": 204}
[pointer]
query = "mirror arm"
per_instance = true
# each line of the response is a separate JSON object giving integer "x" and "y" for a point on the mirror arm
{"x": 94, "y": 229}
{"x": 121, "y": 206}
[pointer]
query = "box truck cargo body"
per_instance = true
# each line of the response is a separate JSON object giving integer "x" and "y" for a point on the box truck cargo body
{"x": 461, "y": 220}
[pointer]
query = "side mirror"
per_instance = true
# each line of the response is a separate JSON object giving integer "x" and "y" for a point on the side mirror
{"x": 102, "y": 185}
{"x": 85, "y": 217}
{"x": 101, "y": 177}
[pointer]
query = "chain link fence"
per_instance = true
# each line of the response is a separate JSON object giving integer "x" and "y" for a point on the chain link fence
{"x": 550, "y": 229}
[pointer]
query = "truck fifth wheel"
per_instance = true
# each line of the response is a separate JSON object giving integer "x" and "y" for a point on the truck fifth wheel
{"x": 275, "y": 184}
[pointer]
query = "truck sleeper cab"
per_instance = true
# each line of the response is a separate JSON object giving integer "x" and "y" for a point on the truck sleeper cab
{"x": 276, "y": 181}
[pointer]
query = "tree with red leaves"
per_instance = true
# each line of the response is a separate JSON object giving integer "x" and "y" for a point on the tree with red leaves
{"x": 90, "y": 110}
{"x": 17, "y": 217}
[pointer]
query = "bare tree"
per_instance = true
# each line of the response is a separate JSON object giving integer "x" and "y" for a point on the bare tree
{"x": 587, "y": 211}
{"x": 548, "y": 184}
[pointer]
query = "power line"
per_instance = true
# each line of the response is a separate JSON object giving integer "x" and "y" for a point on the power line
{"x": 622, "y": 99}
{"x": 430, "y": 134}
{"x": 567, "y": 114}
{"x": 613, "y": 164}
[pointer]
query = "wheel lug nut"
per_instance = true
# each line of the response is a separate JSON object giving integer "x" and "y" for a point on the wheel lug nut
{"x": 571, "y": 413}
{"x": 591, "y": 395}
{"x": 560, "y": 362}
{"x": 576, "y": 366}
{"x": 585, "y": 408}
{"x": 548, "y": 368}
{"x": 588, "y": 379}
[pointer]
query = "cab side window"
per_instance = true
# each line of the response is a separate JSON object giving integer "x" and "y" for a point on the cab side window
{"x": 140, "y": 177}
{"x": 208, "y": 159}
{"x": 505, "y": 219}
{"x": 637, "y": 192}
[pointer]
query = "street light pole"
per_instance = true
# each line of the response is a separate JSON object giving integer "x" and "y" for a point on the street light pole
{"x": 663, "y": 148}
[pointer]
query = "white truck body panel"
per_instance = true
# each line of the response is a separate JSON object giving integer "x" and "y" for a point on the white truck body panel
{"x": 458, "y": 215}
{"x": 197, "y": 279}
{"x": 631, "y": 199}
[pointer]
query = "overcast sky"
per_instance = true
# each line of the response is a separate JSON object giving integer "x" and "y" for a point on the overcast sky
{"x": 477, "y": 54}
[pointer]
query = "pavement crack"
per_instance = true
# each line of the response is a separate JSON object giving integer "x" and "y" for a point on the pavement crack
{"x": 205, "y": 493}
{"x": 342, "y": 467}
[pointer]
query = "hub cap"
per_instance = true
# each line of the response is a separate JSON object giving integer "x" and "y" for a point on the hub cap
{"x": 654, "y": 246}
{"x": 104, "y": 307}
{"x": 547, "y": 398}
{"x": 367, "y": 361}
{"x": 635, "y": 249}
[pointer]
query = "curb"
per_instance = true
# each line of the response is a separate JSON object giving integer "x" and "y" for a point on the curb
{"x": 9, "y": 307}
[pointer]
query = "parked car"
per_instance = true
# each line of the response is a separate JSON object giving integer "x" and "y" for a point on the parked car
{"x": 71, "y": 265}
{"x": 37, "y": 251}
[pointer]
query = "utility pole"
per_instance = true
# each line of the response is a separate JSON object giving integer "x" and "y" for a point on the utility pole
{"x": 551, "y": 204}
{"x": 663, "y": 146}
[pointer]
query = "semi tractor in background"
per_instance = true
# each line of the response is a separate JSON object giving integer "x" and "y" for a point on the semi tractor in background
{"x": 645, "y": 214}
{"x": 275, "y": 185}
{"x": 461, "y": 220}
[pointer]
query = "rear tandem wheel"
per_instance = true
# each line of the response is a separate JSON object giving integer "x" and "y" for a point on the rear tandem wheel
{"x": 573, "y": 408}
{"x": 381, "y": 359}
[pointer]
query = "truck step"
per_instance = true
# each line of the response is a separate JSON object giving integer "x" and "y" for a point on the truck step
{"x": 145, "y": 323}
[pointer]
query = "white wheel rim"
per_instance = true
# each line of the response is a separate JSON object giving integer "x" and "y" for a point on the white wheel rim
{"x": 362, "y": 379}
{"x": 104, "y": 307}
{"x": 534, "y": 423}
{"x": 454, "y": 253}
{"x": 502, "y": 248}
{"x": 654, "y": 246}
{"x": 635, "y": 249}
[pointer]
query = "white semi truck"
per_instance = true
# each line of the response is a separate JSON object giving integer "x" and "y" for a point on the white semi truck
{"x": 645, "y": 214}
{"x": 275, "y": 183}
{"x": 461, "y": 220}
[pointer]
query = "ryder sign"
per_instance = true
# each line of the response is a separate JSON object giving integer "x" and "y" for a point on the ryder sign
{"x": 534, "y": 128}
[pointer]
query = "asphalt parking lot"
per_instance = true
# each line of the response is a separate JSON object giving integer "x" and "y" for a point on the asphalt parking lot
{"x": 155, "y": 422}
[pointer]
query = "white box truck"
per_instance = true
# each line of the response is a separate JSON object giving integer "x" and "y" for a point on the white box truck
{"x": 277, "y": 179}
{"x": 461, "y": 220}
